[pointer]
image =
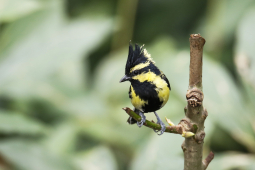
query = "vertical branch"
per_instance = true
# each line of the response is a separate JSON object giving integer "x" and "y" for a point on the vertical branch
{"x": 196, "y": 60}
{"x": 194, "y": 111}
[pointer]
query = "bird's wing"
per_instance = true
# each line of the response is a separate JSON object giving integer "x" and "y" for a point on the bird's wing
{"x": 164, "y": 78}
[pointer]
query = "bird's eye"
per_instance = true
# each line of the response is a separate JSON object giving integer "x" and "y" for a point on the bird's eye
{"x": 136, "y": 72}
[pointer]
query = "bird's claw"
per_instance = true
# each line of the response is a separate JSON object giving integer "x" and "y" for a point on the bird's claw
{"x": 143, "y": 119}
{"x": 163, "y": 128}
{"x": 140, "y": 124}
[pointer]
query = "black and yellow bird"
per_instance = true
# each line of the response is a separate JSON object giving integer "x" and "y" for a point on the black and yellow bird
{"x": 150, "y": 89}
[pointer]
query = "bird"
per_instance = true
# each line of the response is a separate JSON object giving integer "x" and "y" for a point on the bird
{"x": 150, "y": 89}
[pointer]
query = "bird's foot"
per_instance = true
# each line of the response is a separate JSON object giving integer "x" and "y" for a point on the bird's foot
{"x": 163, "y": 127}
{"x": 140, "y": 124}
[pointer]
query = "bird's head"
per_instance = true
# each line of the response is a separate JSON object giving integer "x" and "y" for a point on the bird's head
{"x": 139, "y": 62}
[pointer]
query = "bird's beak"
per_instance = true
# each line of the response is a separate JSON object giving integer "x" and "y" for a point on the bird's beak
{"x": 124, "y": 78}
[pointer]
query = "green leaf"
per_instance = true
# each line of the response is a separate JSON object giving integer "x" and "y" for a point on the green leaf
{"x": 48, "y": 53}
{"x": 110, "y": 72}
{"x": 232, "y": 160}
{"x": 62, "y": 138}
{"x": 220, "y": 26}
{"x": 11, "y": 10}
{"x": 14, "y": 123}
{"x": 27, "y": 155}
{"x": 245, "y": 52}
{"x": 90, "y": 106}
{"x": 100, "y": 158}
{"x": 162, "y": 152}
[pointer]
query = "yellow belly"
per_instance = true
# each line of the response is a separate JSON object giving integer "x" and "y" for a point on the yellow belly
{"x": 136, "y": 101}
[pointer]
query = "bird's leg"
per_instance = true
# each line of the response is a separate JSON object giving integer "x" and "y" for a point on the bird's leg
{"x": 139, "y": 124}
{"x": 163, "y": 127}
{"x": 132, "y": 120}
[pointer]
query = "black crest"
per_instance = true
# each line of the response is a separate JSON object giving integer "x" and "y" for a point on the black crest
{"x": 137, "y": 56}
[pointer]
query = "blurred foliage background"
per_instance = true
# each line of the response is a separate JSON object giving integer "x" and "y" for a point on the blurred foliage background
{"x": 60, "y": 97}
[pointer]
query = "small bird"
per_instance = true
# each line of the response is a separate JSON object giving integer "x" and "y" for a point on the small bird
{"x": 150, "y": 89}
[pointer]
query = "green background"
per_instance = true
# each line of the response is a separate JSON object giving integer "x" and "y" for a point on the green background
{"x": 60, "y": 96}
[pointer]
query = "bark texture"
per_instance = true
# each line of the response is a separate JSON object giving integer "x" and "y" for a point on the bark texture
{"x": 195, "y": 112}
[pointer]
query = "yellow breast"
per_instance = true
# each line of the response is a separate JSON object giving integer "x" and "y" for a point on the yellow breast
{"x": 136, "y": 101}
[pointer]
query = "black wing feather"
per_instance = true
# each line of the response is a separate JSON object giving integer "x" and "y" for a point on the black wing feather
{"x": 164, "y": 78}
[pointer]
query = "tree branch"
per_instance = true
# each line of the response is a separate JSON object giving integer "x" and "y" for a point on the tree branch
{"x": 207, "y": 160}
{"x": 178, "y": 129}
{"x": 196, "y": 60}
{"x": 196, "y": 113}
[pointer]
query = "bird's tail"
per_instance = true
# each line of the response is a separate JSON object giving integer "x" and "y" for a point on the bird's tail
{"x": 132, "y": 120}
